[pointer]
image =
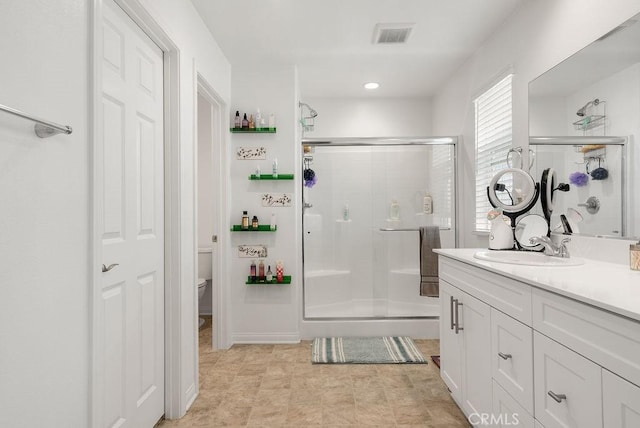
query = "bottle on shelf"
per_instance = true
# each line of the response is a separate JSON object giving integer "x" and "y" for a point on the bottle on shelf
{"x": 258, "y": 171}
{"x": 258, "y": 119}
{"x": 254, "y": 222}
{"x": 272, "y": 122}
{"x": 275, "y": 168}
{"x": 261, "y": 275}
{"x": 252, "y": 271}
{"x": 394, "y": 211}
{"x": 272, "y": 226}
{"x": 269, "y": 277}
{"x": 245, "y": 122}
{"x": 427, "y": 204}
{"x": 237, "y": 122}
{"x": 252, "y": 123}
{"x": 245, "y": 220}
{"x": 279, "y": 271}
{"x": 345, "y": 212}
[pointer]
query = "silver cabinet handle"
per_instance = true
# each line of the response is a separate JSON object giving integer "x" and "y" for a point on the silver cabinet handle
{"x": 453, "y": 324}
{"x": 108, "y": 268}
{"x": 504, "y": 356}
{"x": 458, "y": 304}
{"x": 557, "y": 397}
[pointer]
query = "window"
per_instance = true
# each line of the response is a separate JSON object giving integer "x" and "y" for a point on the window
{"x": 493, "y": 141}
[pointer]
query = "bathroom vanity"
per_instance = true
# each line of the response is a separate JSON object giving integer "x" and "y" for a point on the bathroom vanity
{"x": 540, "y": 346}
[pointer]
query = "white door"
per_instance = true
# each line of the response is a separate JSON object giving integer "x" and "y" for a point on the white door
{"x": 129, "y": 306}
{"x": 450, "y": 341}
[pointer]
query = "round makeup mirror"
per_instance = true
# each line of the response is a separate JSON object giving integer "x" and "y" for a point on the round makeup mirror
{"x": 547, "y": 185}
{"x": 513, "y": 190}
{"x": 529, "y": 226}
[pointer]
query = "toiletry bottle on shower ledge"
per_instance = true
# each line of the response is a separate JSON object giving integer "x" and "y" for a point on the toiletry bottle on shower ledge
{"x": 427, "y": 204}
{"x": 275, "y": 168}
{"x": 345, "y": 212}
{"x": 394, "y": 211}
{"x": 237, "y": 122}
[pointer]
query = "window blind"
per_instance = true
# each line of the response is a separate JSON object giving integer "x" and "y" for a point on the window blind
{"x": 493, "y": 123}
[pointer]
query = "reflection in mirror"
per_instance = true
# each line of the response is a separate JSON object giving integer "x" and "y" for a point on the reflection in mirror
{"x": 579, "y": 163}
{"x": 530, "y": 226}
{"x": 593, "y": 93}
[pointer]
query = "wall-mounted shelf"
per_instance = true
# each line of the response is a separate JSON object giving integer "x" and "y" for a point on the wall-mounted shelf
{"x": 253, "y": 130}
{"x": 286, "y": 280}
{"x": 271, "y": 177}
{"x": 261, "y": 228}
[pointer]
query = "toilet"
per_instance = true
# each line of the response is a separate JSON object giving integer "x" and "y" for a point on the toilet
{"x": 202, "y": 286}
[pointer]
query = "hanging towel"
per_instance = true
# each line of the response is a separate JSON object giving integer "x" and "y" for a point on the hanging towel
{"x": 429, "y": 239}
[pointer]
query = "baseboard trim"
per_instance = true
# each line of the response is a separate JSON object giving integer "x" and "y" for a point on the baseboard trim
{"x": 257, "y": 338}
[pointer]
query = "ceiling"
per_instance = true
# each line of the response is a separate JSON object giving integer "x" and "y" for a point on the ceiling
{"x": 330, "y": 41}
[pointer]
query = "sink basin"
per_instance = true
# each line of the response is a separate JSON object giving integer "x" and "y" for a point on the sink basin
{"x": 526, "y": 258}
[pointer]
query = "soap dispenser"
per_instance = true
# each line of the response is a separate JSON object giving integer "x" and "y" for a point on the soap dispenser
{"x": 394, "y": 211}
{"x": 501, "y": 235}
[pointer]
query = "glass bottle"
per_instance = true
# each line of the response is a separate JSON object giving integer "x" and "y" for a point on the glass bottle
{"x": 245, "y": 221}
{"x": 269, "y": 274}
{"x": 279, "y": 271}
{"x": 261, "y": 275}
{"x": 245, "y": 122}
{"x": 253, "y": 271}
{"x": 254, "y": 222}
{"x": 237, "y": 122}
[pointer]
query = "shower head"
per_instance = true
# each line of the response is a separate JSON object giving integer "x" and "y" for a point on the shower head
{"x": 312, "y": 112}
{"x": 582, "y": 111}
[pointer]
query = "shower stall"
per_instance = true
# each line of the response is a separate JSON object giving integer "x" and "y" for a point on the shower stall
{"x": 363, "y": 203}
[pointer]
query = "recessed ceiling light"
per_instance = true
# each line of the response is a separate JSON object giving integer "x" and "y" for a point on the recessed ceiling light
{"x": 371, "y": 85}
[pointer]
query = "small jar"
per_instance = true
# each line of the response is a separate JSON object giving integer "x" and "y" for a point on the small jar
{"x": 254, "y": 222}
{"x": 634, "y": 256}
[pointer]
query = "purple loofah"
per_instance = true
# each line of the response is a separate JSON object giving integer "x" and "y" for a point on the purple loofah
{"x": 579, "y": 179}
{"x": 310, "y": 183}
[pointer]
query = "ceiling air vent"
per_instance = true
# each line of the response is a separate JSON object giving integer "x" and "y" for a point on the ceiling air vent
{"x": 391, "y": 33}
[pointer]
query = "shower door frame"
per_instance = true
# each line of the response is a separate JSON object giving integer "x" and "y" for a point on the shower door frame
{"x": 378, "y": 141}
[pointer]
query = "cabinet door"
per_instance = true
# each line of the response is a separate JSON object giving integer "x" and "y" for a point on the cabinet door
{"x": 574, "y": 381}
{"x": 450, "y": 342}
{"x": 621, "y": 404}
{"x": 475, "y": 319}
{"x": 507, "y": 412}
{"x": 512, "y": 357}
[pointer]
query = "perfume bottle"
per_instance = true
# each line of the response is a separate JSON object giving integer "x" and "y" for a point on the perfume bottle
{"x": 245, "y": 221}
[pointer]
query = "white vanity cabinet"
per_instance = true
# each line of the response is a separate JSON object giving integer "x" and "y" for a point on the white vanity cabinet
{"x": 465, "y": 333}
{"x": 509, "y": 347}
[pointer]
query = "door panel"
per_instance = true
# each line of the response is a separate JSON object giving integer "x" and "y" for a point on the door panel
{"x": 129, "y": 371}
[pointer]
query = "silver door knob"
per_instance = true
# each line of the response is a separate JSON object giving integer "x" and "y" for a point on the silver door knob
{"x": 108, "y": 268}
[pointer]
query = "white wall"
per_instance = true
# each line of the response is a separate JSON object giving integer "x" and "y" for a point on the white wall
{"x": 370, "y": 117}
{"x": 44, "y": 288}
{"x": 44, "y": 185}
{"x": 535, "y": 38}
{"x": 265, "y": 313}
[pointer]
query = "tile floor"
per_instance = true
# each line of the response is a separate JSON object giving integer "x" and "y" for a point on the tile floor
{"x": 277, "y": 386}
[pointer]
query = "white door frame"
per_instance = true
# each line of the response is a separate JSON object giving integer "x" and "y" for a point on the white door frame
{"x": 218, "y": 149}
{"x": 175, "y": 404}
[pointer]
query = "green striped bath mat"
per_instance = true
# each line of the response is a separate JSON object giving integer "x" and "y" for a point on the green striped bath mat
{"x": 365, "y": 350}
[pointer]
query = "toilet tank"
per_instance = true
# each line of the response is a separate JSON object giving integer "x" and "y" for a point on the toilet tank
{"x": 204, "y": 263}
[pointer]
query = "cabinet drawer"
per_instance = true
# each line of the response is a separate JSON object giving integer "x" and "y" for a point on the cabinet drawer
{"x": 511, "y": 297}
{"x": 507, "y": 412}
{"x": 575, "y": 381}
{"x": 610, "y": 340}
{"x": 512, "y": 357}
{"x": 621, "y": 404}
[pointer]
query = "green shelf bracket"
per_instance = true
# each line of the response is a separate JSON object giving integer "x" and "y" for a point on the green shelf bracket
{"x": 286, "y": 280}
{"x": 253, "y": 130}
{"x": 271, "y": 177}
{"x": 261, "y": 228}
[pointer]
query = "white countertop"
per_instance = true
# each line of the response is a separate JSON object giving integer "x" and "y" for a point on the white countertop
{"x": 610, "y": 286}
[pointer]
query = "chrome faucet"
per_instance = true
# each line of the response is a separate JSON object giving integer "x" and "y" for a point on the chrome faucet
{"x": 550, "y": 249}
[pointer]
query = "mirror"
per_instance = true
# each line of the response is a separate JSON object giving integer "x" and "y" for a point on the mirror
{"x": 586, "y": 101}
{"x": 529, "y": 226}
{"x": 513, "y": 190}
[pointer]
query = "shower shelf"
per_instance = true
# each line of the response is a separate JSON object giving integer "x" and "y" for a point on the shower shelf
{"x": 261, "y": 228}
{"x": 286, "y": 280}
{"x": 589, "y": 122}
{"x": 253, "y": 130}
{"x": 271, "y": 177}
